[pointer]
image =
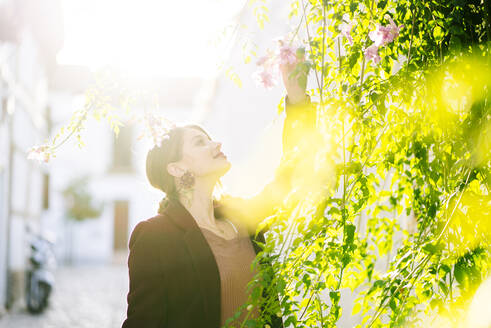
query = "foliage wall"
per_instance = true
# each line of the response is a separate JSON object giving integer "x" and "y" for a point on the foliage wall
{"x": 403, "y": 105}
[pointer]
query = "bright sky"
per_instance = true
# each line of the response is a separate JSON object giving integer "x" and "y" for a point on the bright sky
{"x": 145, "y": 37}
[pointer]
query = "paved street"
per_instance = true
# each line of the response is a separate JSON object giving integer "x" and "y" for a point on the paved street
{"x": 85, "y": 297}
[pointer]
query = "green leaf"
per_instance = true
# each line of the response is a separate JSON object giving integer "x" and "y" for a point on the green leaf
{"x": 393, "y": 305}
{"x": 335, "y": 296}
{"x": 356, "y": 308}
{"x": 350, "y": 233}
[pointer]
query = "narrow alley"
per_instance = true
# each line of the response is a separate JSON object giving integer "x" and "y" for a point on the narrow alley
{"x": 85, "y": 297}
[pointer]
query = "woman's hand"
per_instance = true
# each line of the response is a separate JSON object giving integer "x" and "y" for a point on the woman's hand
{"x": 295, "y": 78}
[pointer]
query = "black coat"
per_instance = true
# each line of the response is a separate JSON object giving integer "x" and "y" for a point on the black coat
{"x": 174, "y": 278}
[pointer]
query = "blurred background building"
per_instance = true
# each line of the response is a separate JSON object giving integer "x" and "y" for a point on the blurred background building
{"x": 30, "y": 36}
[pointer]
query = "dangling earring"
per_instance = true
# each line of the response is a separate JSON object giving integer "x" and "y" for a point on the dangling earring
{"x": 186, "y": 181}
{"x": 185, "y": 185}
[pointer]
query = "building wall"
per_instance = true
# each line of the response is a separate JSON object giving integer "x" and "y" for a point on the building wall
{"x": 23, "y": 93}
{"x": 4, "y": 176}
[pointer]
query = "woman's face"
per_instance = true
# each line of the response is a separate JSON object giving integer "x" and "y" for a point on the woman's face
{"x": 201, "y": 155}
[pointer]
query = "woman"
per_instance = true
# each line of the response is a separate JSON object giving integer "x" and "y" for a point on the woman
{"x": 190, "y": 264}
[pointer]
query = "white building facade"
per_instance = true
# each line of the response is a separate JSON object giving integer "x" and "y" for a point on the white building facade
{"x": 27, "y": 48}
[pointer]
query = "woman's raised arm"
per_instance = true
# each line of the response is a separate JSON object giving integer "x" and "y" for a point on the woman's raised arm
{"x": 299, "y": 139}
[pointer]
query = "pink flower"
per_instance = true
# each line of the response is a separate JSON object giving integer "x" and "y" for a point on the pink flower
{"x": 287, "y": 55}
{"x": 345, "y": 28}
{"x": 268, "y": 61}
{"x": 39, "y": 153}
{"x": 385, "y": 34}
{"x": 264, "y": 78}
{"x": 262, "y": 60}
{"x": 381, "y": 36}
{"x": 157, "y": 127}
{"x": 371, "y": 53}
{"x": 269, "y": 65}
{"x": 394, "y": 29}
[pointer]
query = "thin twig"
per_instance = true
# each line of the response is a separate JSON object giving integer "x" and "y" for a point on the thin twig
{"x": 310, "y": 48}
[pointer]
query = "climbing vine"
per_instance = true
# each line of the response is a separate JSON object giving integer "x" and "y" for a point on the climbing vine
{"x": 401, "y": 223}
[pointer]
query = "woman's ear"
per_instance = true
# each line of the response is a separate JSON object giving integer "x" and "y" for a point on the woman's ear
{"x": 174, "y": 169}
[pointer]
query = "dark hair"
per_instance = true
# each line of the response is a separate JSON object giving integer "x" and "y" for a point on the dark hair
{"x": 158, "y": 157}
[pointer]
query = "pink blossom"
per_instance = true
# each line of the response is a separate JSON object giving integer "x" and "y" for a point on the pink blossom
{"x": 345, "y": 28}
{"x": 385, "y": 34}
{"x": 268, "y": 61}
{"x": 264, "y": 78}
{"x": 287, "y": 55}
{"x": 394, "y": 29}
{"x": 157, "y": 127}
{"x": 269, "y": 65}
{"x": 262, "y": 60}
{"x": 381, "y": 36}
{"x": 371, "y": 53}
{"x": 39, "y": 153}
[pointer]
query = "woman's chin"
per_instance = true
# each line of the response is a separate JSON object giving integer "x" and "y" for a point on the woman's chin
{"x": 228, "y": 165}
{"x": 225, "y": 168}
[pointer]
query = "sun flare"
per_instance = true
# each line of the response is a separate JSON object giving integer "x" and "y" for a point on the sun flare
{"x": 170, "y": 38}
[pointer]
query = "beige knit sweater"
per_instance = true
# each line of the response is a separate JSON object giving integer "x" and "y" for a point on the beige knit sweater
{"x": 234, "y": 258}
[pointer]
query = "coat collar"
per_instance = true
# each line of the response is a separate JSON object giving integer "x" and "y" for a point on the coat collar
{"x": 180, "y": 216}
{"x": 202, "y": 257}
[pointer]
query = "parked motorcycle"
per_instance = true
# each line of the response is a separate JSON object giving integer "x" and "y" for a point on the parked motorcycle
{"x": 40, "y": 279}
